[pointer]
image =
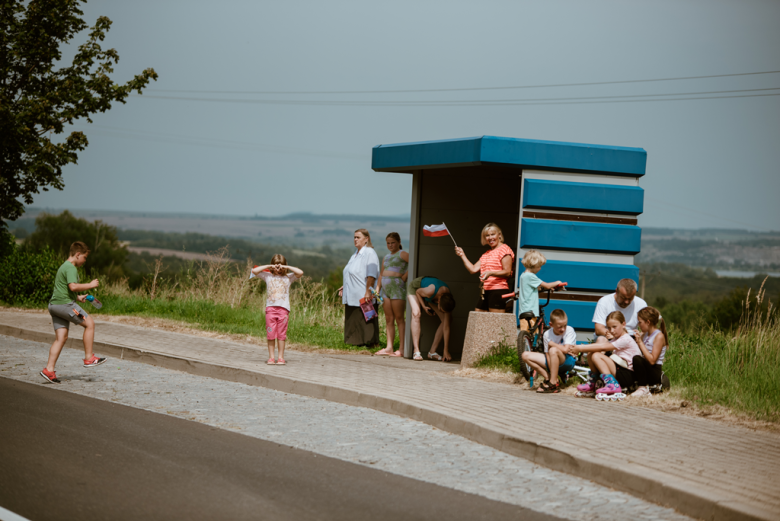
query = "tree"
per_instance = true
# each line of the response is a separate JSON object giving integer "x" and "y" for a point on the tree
{"x": 57, "y": 232}
{"x": 38, "y": 97}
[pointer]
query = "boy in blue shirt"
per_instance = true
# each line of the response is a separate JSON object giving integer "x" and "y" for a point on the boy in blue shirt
{"x": 64, "y": 310}
{"x": 529, "y": 287}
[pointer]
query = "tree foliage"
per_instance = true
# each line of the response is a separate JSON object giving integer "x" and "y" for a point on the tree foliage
{"x": 39, "y": 96}
{"x": 57, "y": 232}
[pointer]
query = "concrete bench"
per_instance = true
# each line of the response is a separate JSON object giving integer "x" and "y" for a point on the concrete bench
{"x": 484, "y": 332}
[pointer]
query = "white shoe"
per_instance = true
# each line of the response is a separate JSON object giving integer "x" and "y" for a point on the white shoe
{"x": 641, "y": 391}
{"x": 417, "y": 356}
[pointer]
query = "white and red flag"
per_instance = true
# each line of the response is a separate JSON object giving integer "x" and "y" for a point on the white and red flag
{"x": 438, "y": 230}
{"x": 435, "y": 230}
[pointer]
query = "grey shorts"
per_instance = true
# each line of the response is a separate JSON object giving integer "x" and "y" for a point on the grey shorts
{"x": 63, "y": 314}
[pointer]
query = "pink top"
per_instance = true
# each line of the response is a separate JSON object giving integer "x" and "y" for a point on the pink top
{"x": 626, "y": 348}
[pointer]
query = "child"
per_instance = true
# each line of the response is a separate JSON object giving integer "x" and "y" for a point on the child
{"x": 616, "y": 370}
{"x": 648, "y": 367}
{"x": 558, "y": 341}
{"x": 277, "y": 302}
{"x": 64, "y": 310}
{"x": 434, "y": 296}
{"x": 529, "y": 286}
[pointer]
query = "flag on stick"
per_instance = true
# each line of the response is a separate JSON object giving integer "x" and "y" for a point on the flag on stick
{"x": 438, "y": 230}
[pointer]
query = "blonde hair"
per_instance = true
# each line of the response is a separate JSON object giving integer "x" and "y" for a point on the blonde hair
{"x": 280, "y": 259}
{"x": 558, "y": 314}
{"x": 366, "y": 234}
{"x": 533, "y": 259}
{"x": 492, "y": 226}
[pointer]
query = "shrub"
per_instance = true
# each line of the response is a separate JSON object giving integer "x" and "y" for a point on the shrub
{"x": 27, "y": 278}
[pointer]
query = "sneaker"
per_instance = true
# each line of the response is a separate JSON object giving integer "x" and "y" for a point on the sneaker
{"x": 50, "y": 376}
{"x": 589, "y": 387}
{"x": 611, "y": 389}
{"x": 641, "y": 391}
{"x": 94, "y": 361}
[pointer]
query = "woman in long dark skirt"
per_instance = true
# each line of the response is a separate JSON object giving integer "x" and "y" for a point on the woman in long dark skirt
{"x": 360, "y": 275}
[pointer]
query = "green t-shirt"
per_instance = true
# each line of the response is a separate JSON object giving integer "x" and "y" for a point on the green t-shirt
{"x": 67, "y": 274}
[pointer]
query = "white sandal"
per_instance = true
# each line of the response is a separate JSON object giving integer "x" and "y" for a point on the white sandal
{"x": 434, "y": 356}
{"x": 417, "y": 356}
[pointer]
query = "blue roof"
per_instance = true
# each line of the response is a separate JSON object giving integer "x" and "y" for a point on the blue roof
{"x": 521, "y": 153}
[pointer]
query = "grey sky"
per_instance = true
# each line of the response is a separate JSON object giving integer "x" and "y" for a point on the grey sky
{"x": 711, "y": 163}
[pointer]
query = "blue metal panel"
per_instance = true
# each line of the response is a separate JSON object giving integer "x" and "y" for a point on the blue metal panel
{"x": 573, "y": 236}
{"x": 525, "y": 153}
{"x": 585, "y": 197}
{"x": 580, "y": 314}
{"x": 588, "y": 276}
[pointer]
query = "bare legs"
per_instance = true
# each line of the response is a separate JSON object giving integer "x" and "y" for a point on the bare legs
{"x": 280, "y": 344}
{"x": 414, "y": 307}
{"x": 443, "y": 331}
{"x": 394, "y": 314}
{"x": 600, "y": 362}
{"x": 62, "y": 337}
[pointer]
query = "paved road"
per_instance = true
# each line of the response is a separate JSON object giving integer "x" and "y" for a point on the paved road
{"x": 65, "y": 456}
{"x": 357, "y": 435}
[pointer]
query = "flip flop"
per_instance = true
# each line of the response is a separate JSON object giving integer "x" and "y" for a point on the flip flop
{"x": 271, "y": 361}
{"x": 382, "y": 352}
{"x": 281, "y": 361}
{"x": 434, "y": 356}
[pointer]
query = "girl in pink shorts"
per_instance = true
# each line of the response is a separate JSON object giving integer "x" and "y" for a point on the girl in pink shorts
{"x": 278, "y": 278}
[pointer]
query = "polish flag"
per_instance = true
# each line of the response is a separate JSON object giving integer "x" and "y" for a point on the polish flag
{"x": 435, "y": 230}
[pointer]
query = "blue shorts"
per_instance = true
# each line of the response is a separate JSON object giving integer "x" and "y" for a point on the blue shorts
{"x": 565, "y": 367}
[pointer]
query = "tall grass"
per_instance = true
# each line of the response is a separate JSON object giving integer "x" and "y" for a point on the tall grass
{"x": 216, "y": 295}
{"x": 739, "y": 369}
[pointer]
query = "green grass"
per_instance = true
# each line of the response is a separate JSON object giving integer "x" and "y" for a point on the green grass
{"x": 503, "y": 357}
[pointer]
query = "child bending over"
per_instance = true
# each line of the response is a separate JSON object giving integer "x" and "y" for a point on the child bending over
{"x": 616, "y": 370}
{"x": 277, "y": 302}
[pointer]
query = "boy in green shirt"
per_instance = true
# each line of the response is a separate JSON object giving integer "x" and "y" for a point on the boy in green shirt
{"x": 64, "y": 310}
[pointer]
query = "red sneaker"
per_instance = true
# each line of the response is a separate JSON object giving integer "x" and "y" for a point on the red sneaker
{"x": 50, "y": 376}
{"x": 92, "y": 362}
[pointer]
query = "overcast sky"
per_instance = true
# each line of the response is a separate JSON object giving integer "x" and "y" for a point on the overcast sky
{"x": 711, "y": 163}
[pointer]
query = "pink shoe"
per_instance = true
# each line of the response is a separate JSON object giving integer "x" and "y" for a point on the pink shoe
{"x": 271, "y": 361}
{"x": 610, "y": 389}
{"x": 589, "y": 387}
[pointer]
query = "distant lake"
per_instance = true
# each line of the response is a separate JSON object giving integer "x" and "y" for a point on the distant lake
{"x": 744, "y": 274}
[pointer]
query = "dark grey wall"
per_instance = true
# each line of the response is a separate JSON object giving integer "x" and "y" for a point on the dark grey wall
{"x": 466, "y": 199}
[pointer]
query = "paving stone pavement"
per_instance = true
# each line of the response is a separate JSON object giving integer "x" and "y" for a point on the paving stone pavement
{"x": 720, "y": 465}
{"x": 356, "y": 434}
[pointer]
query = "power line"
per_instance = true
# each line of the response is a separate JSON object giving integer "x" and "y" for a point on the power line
{"x": 464, "y": 88}
{"x": 506, "y": 102}
{"x": 177, "y": 139}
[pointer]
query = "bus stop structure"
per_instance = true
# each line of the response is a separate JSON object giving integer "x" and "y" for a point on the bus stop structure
{"x": 578, "y": 204}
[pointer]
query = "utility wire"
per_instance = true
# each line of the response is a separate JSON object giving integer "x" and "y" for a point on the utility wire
{"x": 527, "y": 101}
{"x": 461, "y": 89}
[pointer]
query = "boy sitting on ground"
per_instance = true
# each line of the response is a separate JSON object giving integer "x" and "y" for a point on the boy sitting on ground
{"x": 559, "y": 340}
{"x": 64, "y": 310}
{"x": 529, "y": 287}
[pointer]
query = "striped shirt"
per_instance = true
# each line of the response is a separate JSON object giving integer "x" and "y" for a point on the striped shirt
{"x": 491, "y": 261}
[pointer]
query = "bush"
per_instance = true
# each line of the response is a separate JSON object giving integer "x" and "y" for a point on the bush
{"x": 27, "y": 278}
{"x": 57, "y": 232}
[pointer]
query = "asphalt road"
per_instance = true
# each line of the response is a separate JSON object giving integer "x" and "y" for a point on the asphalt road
{"x": 65, "y": 456}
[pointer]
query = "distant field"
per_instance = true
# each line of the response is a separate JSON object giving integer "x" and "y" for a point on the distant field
{"x": 302, "y": 230}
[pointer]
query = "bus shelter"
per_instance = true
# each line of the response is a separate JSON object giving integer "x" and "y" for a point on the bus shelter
{"x": 576, "y": 203}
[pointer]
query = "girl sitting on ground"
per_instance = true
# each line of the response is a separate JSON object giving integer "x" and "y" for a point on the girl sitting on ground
{"x": 615, "y": 370}
{"x": 277, "y": 302}
{"x": 648, "y": 368}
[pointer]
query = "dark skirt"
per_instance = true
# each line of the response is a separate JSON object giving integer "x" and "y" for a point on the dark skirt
{"x": 358, "y": 332}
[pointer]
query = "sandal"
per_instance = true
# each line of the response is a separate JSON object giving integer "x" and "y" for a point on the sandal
{"x": 281, "y": 361}
{"x": 417, "y": 356}
{"x": 271, "y": 361}
{"x": 434, "y": 356}
{"x": 549, "y": 388}
{"x": 383, "y": 352}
